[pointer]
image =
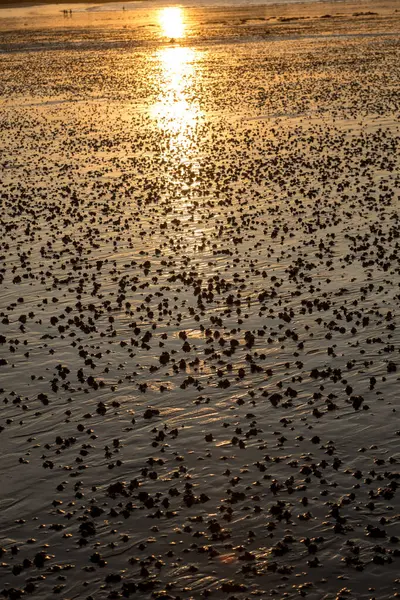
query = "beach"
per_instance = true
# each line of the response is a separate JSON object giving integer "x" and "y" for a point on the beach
{"x": 199, "y": 307}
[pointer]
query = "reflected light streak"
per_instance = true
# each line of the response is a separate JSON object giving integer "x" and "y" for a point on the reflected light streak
{"x": 228, "y": 558}
{"x": 171, "y": 22}
{"x": 176, "y": 111}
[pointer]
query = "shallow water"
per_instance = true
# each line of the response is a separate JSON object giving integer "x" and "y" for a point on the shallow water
{"x": 208, "y": 227}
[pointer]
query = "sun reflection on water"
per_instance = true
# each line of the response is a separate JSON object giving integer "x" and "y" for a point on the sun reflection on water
{"x": 171, "y": 22}
{"x": 177, "y": 109}
{"x": 178, "y": 115}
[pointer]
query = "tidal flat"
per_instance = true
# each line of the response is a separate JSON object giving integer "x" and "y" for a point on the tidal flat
{"x": 199, "y": 302}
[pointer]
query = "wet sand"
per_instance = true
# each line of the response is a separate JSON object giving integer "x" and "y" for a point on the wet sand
{"x": 200, "y": 282}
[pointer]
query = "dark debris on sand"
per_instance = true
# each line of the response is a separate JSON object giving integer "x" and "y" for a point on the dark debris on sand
{"x": 198, "y": 348}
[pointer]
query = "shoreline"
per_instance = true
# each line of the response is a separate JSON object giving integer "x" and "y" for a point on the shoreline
{"x": 32, "y": 3}
{"x": 365, "y": 5}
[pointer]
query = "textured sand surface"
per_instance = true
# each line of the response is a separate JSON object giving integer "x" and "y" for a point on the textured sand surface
{"x": 199, "y": 308}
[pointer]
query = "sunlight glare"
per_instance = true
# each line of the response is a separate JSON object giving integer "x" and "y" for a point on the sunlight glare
{"x": 171, "y": 22}
{"x": 174, "y": 111}
{"x": 178, "y": 115}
